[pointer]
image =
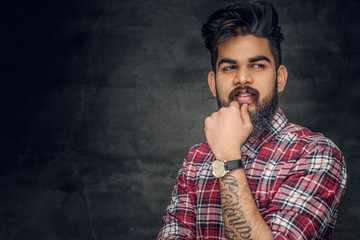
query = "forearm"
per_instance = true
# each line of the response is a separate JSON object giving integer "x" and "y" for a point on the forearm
{"x": 226, "y": 130}
{"x": 241, "y": 216}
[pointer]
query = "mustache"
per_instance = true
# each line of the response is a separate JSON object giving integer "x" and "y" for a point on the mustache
{"x": 243, "y": 89}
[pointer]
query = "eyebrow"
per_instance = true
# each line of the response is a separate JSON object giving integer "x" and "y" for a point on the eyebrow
{"x": 259, "y": 58}
{"x": 227, "y": 60}
{"x": 251, "y": 60}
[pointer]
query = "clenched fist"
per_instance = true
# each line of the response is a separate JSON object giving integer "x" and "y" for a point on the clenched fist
{"x": 227, "y": 129}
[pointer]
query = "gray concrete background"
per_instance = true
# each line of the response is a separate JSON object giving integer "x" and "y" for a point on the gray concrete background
{"x": 101, "y": 100}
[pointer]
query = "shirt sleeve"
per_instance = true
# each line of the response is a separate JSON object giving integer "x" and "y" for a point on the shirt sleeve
{"x": 307, "y": 202}
{"x": 179, "y": 221}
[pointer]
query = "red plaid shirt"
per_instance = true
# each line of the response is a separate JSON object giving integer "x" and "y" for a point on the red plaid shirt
{"x": 297, "y": 179}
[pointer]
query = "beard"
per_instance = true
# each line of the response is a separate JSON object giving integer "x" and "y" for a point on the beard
{"x": 262, "y": 117}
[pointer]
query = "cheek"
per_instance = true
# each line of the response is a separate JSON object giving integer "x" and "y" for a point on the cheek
{"x": 222, "y": 90}
{"x": 267, "y": 89}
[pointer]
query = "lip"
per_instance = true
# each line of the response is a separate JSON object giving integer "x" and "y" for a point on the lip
{"x": 245, "y": 98}
{"x": 244, "y": 95}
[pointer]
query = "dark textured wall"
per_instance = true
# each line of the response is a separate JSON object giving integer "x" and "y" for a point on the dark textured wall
{"x": 101, "y": 99}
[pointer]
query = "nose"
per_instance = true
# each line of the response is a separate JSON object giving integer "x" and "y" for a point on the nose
{"x": 243, "y": 76}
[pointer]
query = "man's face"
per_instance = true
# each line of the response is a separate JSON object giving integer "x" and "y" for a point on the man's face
{"x": 245, "y": 72}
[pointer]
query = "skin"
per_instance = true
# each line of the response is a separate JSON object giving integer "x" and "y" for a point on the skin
{"x": 244, "y": 61}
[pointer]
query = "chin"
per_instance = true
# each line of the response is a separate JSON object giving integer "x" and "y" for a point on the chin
{"x": 252, "y": 108}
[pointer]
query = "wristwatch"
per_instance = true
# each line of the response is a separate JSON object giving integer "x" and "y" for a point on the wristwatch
{"x": 220, "y": 168}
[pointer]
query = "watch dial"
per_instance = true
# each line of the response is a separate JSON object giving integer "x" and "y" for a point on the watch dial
{"x": 218, "y": 168}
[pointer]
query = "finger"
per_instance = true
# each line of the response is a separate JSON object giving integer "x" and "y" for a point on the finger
{"x": 245, "y": 113}
{"x": 207, "y": 121}
{"x": 235, "y": 104}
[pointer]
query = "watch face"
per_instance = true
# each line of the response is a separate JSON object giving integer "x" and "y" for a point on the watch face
{"x": 218, "y": 168}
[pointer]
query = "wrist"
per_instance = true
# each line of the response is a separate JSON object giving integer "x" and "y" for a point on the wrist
{"x": 220, "y": 168}
{"x": 228, "y": 157}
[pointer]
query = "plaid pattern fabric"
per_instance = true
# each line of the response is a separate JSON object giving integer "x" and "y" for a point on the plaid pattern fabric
{"x": 297, "y": 179}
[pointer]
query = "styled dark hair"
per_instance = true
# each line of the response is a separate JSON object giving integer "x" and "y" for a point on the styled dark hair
{"x": 259, "y": 19}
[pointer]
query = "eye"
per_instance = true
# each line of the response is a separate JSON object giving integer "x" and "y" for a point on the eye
{"x": 257, "y": 66}
{"x": 229, "y": 68}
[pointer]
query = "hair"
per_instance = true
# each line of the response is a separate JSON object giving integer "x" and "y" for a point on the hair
{"x": 259, "y": 19}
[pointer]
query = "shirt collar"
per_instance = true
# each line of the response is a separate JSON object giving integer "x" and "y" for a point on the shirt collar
{"x": 252, "y": 146}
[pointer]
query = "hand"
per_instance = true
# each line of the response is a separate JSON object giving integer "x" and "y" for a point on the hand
{"x": 227, "y": 129}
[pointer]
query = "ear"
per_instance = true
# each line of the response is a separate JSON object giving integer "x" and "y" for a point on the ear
{"x": 282, "y": 75}
{"x": 212, "y": 83}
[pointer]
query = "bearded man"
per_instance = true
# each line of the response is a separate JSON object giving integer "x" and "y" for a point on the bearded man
{"x": 257, "y": 176}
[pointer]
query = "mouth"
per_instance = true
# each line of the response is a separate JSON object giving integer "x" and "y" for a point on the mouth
{"x": 244, "y": 95}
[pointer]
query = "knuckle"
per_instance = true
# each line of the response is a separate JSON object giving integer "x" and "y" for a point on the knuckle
{"x": 207, "y": 120}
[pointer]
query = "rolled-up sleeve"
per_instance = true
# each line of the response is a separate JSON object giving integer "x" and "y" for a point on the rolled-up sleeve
{"x": 179, "y": 221}
{"x": 307, "y": 202}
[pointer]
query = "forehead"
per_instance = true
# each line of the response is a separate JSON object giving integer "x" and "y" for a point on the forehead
{"x": 242, "y": 48}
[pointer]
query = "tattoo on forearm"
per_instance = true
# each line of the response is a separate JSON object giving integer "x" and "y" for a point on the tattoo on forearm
{"x": 232, "y": 212}
{"x": 230, "y": 234}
